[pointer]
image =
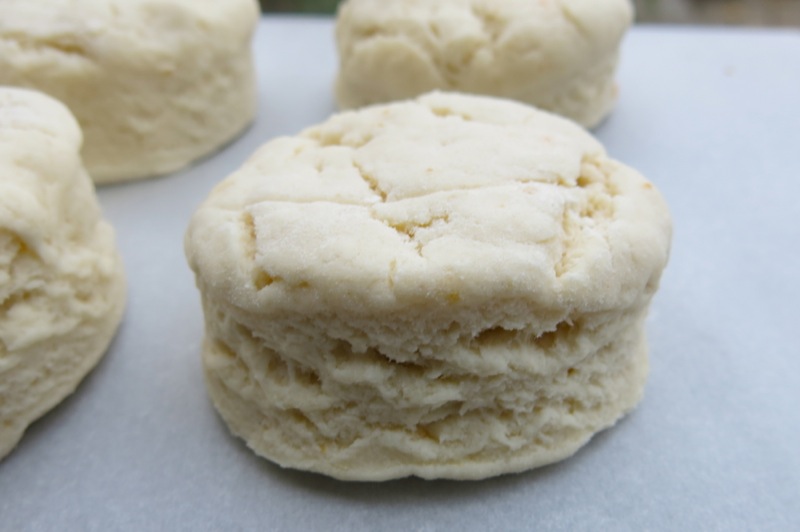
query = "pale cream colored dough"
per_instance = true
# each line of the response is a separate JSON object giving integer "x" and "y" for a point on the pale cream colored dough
{"x": 154, "y": 84}
{"x": 62, "y": 288}
{"x": 559, "y": 55}
{"x": 453, "y": 287}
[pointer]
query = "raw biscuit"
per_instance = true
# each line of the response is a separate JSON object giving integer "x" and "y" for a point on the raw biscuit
{"x": 453, "y": 287}
{"x": 62, "y": 288}
{"x": 154, "y": 84}
{"x": 559, "y": 55}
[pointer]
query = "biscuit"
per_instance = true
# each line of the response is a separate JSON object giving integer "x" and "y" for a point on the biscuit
{"x": 154, "y": 84}
{"x": 451, "y": 287}
{"x": 62, "y": 288}
{"x": 557, "y": 55}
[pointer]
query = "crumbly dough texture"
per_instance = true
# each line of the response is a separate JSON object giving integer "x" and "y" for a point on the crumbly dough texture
{"x": 154, "y": 84}
{"x": 62, "y": 288}
{"x": 448, "y": 287}
{"x": 559, "y": 55}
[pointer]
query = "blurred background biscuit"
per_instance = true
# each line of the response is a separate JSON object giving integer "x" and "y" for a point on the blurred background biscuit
{"x": 154, "y": 84}
{"x": 62, "y": 288}
{"x": 559, "y": 56}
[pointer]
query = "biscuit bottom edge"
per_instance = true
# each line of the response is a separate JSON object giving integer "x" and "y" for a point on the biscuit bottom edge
{"x": 489, "y": 441}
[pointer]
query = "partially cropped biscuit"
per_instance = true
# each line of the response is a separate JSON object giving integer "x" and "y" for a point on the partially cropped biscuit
{"x": 154, "y": 84}
{"x": 62, "y": 288}
{"x": 449, "y": 287}
{"x": 559, "y": 55}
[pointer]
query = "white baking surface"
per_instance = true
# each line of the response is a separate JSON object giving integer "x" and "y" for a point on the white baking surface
{"x": 711, "y": 116}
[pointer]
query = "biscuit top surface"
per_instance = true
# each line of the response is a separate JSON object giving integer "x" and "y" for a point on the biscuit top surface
{"x": 573, "y": 31}
{"x": 39, "y": 159}
{"x": 27, "y": 114}
{"x": 103, "y": 31}
{"x": 41, "y": 167}
{"x": 450, "y": 200}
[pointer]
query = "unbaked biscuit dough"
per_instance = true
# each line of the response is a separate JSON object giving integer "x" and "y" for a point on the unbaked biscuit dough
{"x": 154, "y": 84}
{"x": 559, "y": 55}
{"x": 62, "y": 288}
{"x": 449, "y": 287}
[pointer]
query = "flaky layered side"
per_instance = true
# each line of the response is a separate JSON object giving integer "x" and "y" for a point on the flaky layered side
{"x": 154, "y": 85}
{"x": 450, "y": 287}
{"x": 62, "y": 288}
{"x": 491, "y": 404}
{"x": 559, "y": 55}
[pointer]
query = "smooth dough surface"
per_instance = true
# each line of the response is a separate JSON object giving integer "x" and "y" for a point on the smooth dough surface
{"x": 62, "y": 288}
{"x": 154, "y": 84}
{"x": 559, "y": 55}
{"x": 448, "y": 287}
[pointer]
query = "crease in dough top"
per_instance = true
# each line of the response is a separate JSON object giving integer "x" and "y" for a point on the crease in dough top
{"x": 444, "y": 200}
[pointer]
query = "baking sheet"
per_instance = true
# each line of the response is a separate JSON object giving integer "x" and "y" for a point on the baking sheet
{"x": 711, "y": 116}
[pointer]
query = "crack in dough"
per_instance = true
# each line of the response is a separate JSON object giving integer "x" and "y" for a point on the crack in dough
{"x": 70, "y": 48}
{"x": 372, "y": 182}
